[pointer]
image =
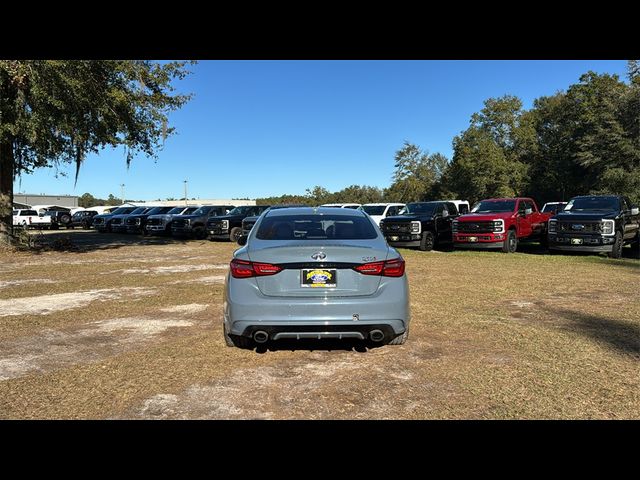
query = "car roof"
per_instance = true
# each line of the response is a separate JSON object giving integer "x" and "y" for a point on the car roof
{"x": 381, "y": 204}
{"x": 314, "y": 211}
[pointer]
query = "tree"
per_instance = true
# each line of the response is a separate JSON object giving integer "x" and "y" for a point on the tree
{"x": 58, "y": 111}
{"x": 87, "y": 200}
{"x": 416, "y": 173}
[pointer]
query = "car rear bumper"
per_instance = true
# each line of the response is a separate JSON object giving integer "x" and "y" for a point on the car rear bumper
{"x": 246, "y": 309}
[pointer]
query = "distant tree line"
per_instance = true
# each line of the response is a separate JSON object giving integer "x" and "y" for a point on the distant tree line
{"x": 579, "y": 141}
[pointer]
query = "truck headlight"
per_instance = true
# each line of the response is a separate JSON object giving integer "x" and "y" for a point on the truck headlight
{"x": 225, "y": 224}
{"x": 608, "y": 227}
{"x": 498, "y": 226}
{"x": 552, "y": 226}
{"x": 416, "y": 227}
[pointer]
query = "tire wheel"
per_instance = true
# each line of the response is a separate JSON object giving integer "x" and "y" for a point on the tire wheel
{"x": 235, "y": 234}
{"x": 400, "y": 339}
{"x": 65, "y": 219}
{"x": 426, "y": 241}
{"x": 635, "y": 245}
{"x": 510, "y": 245}
{"x": 616, "y": 252}
{"x": 236, "y": 341}
{"x": 199, "y": 233}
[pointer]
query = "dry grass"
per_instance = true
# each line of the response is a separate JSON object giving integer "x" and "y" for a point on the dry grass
{"x": 492, "y": 336}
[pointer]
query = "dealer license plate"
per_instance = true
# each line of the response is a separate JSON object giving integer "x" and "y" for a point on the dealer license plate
{"x": 576, "y": 241}
{"x": 319, "y": 277}
{"x": 472, "y": 239}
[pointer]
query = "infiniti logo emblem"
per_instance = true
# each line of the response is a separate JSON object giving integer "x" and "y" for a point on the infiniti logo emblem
{"x": 319, "y": 256}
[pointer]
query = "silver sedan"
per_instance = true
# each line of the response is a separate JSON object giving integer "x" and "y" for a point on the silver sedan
{"x": 315, "y": 273}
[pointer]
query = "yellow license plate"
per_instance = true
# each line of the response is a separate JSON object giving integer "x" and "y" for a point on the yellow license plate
{"x": 576, "y": 241}
{"x": 472, "y": 239}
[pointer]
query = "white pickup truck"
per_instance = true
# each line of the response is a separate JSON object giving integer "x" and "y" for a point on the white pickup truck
{"x": 30, "y": 218}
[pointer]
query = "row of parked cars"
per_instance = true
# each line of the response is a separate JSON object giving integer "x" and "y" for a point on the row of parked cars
{"x": 595, "y": 223}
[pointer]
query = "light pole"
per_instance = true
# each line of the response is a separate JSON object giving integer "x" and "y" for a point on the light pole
{"x": 185, "y": 193}
{"x": 122, "y": 192}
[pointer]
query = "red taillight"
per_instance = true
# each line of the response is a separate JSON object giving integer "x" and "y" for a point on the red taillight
{"x": 390, "y": 268}
{"x": 245, "y": 269}
{"x": 374, "y": 268}
{"x": 394, "y": 268}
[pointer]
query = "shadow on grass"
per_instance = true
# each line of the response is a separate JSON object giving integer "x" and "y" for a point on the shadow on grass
{"x": 85, "y": 241}
{"x": 313, "y": 345}
{"x": 619, "y": 335}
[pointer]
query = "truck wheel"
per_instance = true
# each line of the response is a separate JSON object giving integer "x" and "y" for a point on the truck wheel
{"x": 616, "y": 252}
{"x": 635, "y": 245}
{"x": 510, "y": 245}
{"x": 426, "y": 241}
{"x": 199, "y": 233}
{"x": 235, "y": 234}
{"x": 400, "y": 339}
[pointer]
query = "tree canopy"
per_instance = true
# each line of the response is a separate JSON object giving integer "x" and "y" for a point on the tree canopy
{"x": 58, "y": 111}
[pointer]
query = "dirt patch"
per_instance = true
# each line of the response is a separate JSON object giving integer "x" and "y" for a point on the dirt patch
{"x": 16, "y": 283}
{"x": 210, "y": 280}
{"x": 190, "y": 308}
{"x": 46, "y": 304}
{"x": 54, "y": 349}
{"x": 164, "y": 270}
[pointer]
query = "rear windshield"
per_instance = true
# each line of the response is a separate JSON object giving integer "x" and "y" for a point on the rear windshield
{"x": 314, "y": 227}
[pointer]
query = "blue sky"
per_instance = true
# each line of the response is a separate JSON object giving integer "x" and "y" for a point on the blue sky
{"x": 262, "y": 128}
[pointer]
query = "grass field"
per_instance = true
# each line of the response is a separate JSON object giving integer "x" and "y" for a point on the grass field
{"x": 131, "y": 328}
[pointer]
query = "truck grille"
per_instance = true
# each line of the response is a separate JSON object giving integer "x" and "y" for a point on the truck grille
{"x": 131, "y": 221}
{"x": 179, "y": 223}
{"x": 98, "y": 221}
{"x": 579, "y": 227}
{"x": 154, "y": 221}
{"x": 214, "y": 224}
{"x": 396, "y": 227}
{"x": 116, "y": 221}
{"x": 475, "y": 227}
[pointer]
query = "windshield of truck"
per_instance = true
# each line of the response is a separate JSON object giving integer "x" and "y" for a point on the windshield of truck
{"x": 494, "y": 206}
{"x": 422, "y": 208}
{"x": 373, "y": 209}
{"x": 244, "y": 210}
{"x": 593, "y": 204}
{"x": 175, "y": 211}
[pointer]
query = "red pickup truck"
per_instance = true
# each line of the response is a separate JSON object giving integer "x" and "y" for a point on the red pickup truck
{"x": 500, "y": 223}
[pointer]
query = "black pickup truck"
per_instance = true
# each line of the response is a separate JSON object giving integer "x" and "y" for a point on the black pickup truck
{"x": 194, "y": 224}
{"x": 596, "y": 223}
{"x": 229, "y": 227}
{"x": 137, "y": 223}
{"x": 422, "y": 225}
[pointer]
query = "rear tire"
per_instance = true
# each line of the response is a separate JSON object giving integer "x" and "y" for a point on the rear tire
{"x": 616, "y": 252}
{"x": 400, "y": 339}
{"x": 510, "y": 245}
{"x": 426, "y": 241}
{"x": 235, "y": 234}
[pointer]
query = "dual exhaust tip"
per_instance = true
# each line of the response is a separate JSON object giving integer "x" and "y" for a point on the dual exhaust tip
{"x": 260, "y": 336}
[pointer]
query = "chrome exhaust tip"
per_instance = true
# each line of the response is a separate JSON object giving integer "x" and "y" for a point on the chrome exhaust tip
{"x": 376, "y": 335}
{"x": 260, "y": 336}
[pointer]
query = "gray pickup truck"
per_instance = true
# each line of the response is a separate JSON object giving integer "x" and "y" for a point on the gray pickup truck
{"x": 161, "y": 224}
{"x": 193, "y": 226}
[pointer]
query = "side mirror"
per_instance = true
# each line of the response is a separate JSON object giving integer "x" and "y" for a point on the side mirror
{"x": 242, "y": 240}
{"x": 635, "y": 210}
